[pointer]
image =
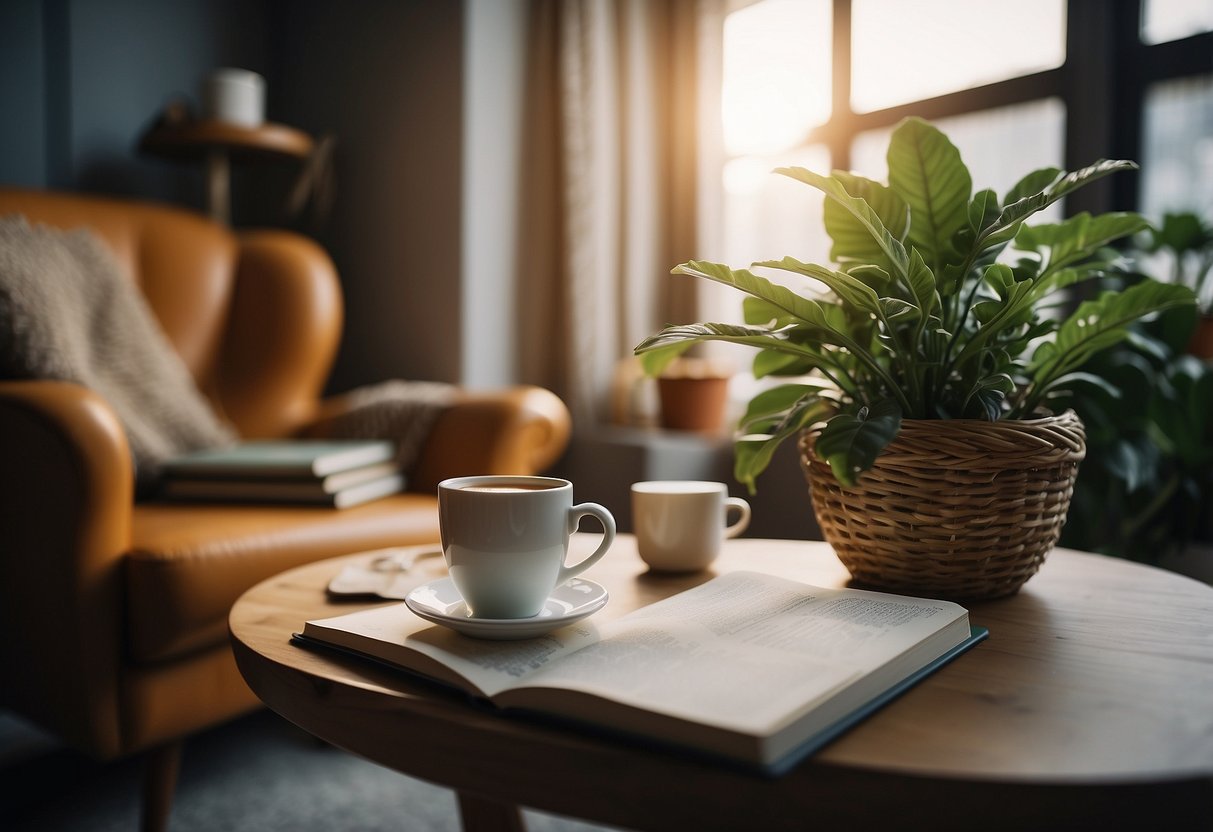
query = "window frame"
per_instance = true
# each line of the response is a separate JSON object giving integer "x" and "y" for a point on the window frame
{"x": 1102, "y": 84}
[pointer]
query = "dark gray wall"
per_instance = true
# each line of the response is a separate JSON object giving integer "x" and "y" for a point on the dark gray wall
{"x": 22, "y": 94}
{"x": 80, "y": 80}
{"x": 386, "y": 78}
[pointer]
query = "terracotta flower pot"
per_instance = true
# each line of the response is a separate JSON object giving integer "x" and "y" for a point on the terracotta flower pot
{"x": 696, "y": 404}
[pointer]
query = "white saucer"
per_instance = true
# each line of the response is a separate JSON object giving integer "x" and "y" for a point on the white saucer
{"x": 440, "y": 602}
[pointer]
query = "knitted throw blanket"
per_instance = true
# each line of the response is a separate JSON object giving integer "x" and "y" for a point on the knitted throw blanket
{"x": 68, "y": 313}
{"x": 402, "y": 411}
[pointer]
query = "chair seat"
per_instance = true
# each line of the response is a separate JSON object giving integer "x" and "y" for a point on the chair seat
{"x": 189, "y": 562}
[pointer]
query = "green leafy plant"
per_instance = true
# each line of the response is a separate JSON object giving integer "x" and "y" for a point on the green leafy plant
{"x": 1148, "y": 477}
{"x": 1189, "y": 240}
{"x": 940, "y": 306}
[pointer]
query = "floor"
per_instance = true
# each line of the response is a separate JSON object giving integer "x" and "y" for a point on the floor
{"x": 257, "y": 773}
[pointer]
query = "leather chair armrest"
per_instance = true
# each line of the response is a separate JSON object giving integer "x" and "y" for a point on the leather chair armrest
{"x": 66, "y": 493}
{"x": 282, "y": 334}
{"x": 520, "y": 430}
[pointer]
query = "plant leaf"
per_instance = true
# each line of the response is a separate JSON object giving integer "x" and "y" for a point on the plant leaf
{"x": 686, "y": 334}
{"x": 1014, "y": 213}
{"x": 1078, "y": 237}
{"x": 775, "y": 404}
{"x": 850, "y": 289}
{"x": 850, "y": 443}
{"x": 852, "y": 241}
{"x": 1181, "y": 232}
{"x": 779, "y": 297}
{"x": 1094, "y": 326}
{"x": 752, "y": 453}
{"x": 773, "y": 363}
{"x": 891, "y": 247}
{"x": 1085, "y": 176}
{"x": 1034, "y": 183}
{"x": 758, "y": 311}
{"x": 988, "y": 394}
{"x": 983, "y": 210}
{"x": 925, "y": 170}
{"x": 923, "y": 288}
{"x": 656, "y": 360}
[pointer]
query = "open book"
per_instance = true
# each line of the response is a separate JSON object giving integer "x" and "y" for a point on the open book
{"x": 749, "y": 667}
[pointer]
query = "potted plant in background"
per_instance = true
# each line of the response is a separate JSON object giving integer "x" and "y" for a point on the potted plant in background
{"x": 693, "y": 394}
{"x": 1189, "y": 240}
{"x": 1147, "y": 482}
{"x": 927, "y": 365}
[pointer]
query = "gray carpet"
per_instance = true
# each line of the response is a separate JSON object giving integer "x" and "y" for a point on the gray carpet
{"x": 257, "y": 773}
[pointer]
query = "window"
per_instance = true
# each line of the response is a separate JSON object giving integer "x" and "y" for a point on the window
{"x": 954, "y": 46}
{"x": 1016, "y": 86}
{"x": 822, "y": 83}
{"x": 1178, "y": 147}
{"x": 1167, "y": 20}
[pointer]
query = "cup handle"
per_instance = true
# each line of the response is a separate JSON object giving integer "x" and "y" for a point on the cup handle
{"x": 743, "y": 518}
{"x": 608, "y": 537}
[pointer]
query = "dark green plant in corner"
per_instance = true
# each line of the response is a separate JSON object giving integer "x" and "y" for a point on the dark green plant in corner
{"x": 1148, "y": 476}
{"x": 930, "y": 313}
{"x": 1189, "y": 240}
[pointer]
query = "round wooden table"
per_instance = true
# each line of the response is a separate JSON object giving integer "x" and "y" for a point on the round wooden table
{"x": 1091, "y": 704}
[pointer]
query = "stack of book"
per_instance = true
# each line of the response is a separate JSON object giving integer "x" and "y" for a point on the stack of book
{"x": 339, "y": 473}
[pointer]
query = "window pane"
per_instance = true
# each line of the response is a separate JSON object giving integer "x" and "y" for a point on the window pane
{"x": 776, "y": 75}
{"x": 904, "y": 51}
{"x": 1164, "y": 20}
{"x": 998, "y": 146}
{"x": 766, "y": 217}
{"x": 1177, "y": 148}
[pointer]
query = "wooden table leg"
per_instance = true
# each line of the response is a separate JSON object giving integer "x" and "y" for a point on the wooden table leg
{"x": 482, "y": 815}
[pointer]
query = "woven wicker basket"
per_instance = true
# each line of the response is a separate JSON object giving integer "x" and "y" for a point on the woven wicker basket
{"x": 956, "y": 509}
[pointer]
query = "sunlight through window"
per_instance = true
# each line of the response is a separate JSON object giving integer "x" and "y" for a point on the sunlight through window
{"x": 953, "y": 46}
{"x": 776, "y": 74}
{"x": 1165, "y": 20}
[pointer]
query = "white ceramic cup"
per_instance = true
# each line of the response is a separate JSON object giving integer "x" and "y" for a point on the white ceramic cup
{"x": 235, "y": 96}
{"x": 680, "y": 524}
{"x": 505, "y": 540}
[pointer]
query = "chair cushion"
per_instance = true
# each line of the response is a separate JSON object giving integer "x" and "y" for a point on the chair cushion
{"x": 189, "y": 563}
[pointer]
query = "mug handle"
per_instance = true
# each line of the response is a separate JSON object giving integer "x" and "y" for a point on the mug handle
{"x": 743, "y": 519}
{"x": 608, "y": 537}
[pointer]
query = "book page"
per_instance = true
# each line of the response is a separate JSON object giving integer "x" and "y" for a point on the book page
{"x": 746, "y": 651}
{"x": 394, "y": 634}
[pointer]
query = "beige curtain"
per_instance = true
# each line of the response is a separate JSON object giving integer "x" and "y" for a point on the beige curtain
{"x": 612, "y": 162}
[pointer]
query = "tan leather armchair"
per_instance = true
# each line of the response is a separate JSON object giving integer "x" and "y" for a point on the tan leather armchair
{"x": 115, "y": 611}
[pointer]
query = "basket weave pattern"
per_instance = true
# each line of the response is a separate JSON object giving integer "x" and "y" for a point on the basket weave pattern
{"x": 958, "y": 509}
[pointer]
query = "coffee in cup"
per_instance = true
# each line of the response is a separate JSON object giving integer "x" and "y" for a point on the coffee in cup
{"x": 680, "y": 524}
{"x": 505, "y": 540}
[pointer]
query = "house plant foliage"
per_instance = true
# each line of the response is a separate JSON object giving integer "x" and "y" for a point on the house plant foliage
{"x": 921, "y": 364}
{"x": 1188, "y": 240}
{"x": 941, "y": 305}
{"x": 1148, "y": 477}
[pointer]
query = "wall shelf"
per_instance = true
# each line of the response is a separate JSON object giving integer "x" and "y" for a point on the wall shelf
{"x": 218, "y": 144}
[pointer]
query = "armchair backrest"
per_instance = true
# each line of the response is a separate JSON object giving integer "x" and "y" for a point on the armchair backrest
{"x": 255, "y": 317}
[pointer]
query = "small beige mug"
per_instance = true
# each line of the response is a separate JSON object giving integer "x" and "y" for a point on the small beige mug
{"x": 680, "y": 524}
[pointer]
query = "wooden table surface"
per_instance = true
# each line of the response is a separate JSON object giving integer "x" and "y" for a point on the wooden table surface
{"x": 1091, "y": 702}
